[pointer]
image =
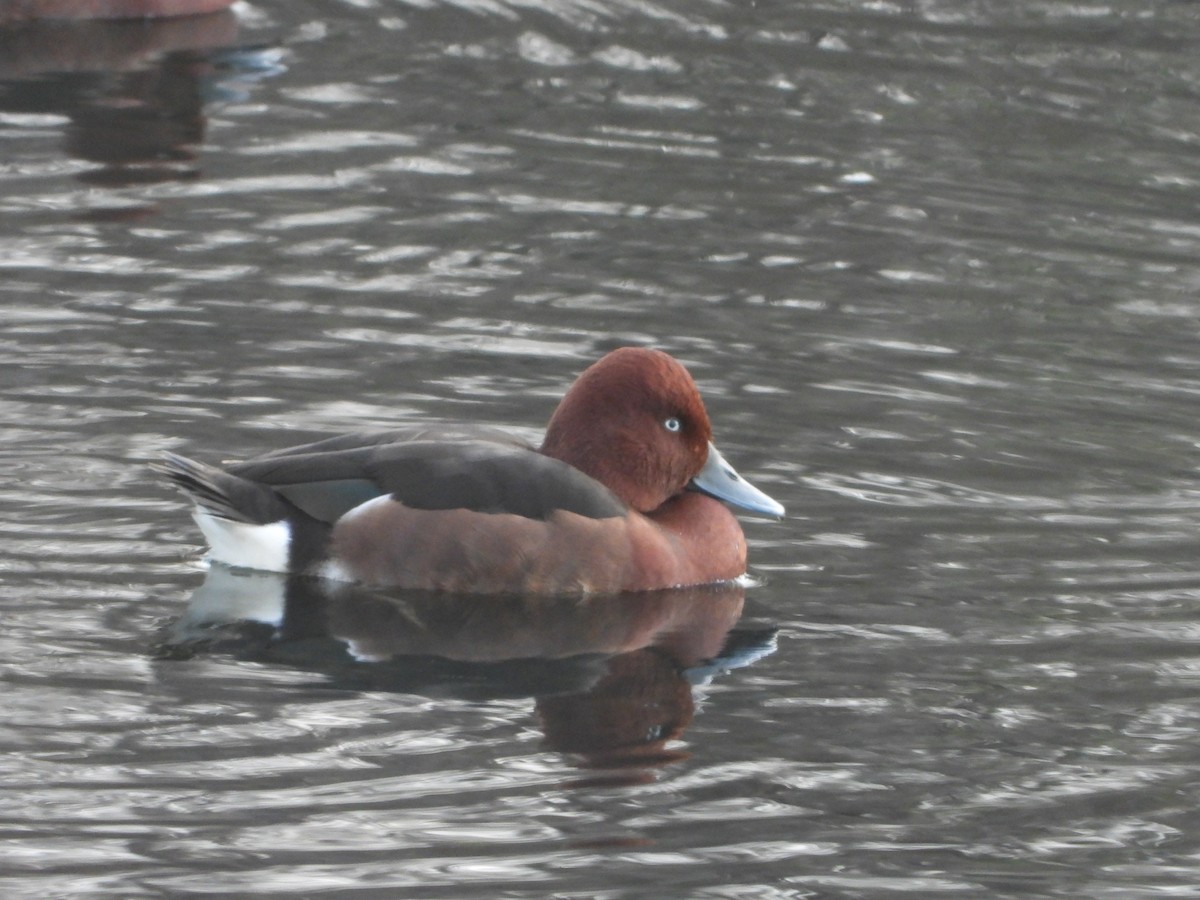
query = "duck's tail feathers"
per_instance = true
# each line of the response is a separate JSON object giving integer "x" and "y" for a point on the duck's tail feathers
{"x": 247, "y": 524}
{"x": 221, "y": 494}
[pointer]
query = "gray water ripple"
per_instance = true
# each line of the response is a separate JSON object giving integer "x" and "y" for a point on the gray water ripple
{"x": 932, "y": 267}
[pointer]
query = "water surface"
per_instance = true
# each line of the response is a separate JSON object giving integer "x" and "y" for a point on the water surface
{"x": 933, "y": 266}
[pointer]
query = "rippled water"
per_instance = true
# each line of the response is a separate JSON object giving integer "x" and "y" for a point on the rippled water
{"x": 934, "y": 267}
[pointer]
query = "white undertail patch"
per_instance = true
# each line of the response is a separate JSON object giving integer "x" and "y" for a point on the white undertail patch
{"x": 246, "y": 546}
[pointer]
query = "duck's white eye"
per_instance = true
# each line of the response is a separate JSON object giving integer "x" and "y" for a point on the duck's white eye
{"x": 673, "y": 424}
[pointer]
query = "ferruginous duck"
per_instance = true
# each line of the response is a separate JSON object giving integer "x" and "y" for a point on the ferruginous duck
{"x": 624, "y": 494}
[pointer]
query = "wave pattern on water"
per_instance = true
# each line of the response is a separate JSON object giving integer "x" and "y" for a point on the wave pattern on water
{"x": 933, "y": 267}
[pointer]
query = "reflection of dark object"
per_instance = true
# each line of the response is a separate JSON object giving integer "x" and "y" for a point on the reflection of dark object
{"x": 133, "y": 92}
{"x": 141, "y": 127}
{"x": 26, "y": 10}
{"x": 610, "y": 674}
{"x": 92, "y": 49}
{"x": 149, "y": 121}
{"x": 125, "y": 176}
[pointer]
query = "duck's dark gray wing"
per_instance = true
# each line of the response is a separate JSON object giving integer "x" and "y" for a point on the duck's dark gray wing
{"x": 415, "y": 433}
{"x": 479, "y": 475}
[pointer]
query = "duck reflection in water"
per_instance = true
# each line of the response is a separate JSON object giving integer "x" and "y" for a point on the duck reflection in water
{"x": 133, "y": 91}
{"x": 611, "y": 675}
